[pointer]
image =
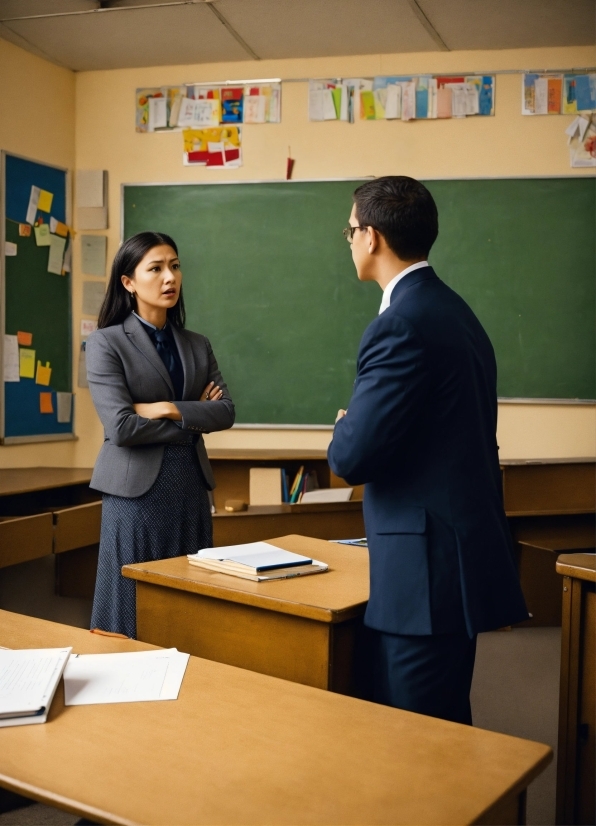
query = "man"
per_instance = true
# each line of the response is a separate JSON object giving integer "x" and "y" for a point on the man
{"x": 420, "y": 433}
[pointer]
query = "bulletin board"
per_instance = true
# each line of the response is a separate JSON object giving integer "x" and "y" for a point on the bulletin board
{"x": 268, "y": 277}
{"x": 35, "y": 303}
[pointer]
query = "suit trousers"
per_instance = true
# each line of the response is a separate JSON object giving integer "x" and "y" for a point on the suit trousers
{"x": 426, "y": 674}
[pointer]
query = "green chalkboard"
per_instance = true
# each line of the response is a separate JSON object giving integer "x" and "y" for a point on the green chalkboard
{"x": 269, "y": 278}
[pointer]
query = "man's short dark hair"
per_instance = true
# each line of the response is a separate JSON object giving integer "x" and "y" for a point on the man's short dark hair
{"x": 403, "y": 211}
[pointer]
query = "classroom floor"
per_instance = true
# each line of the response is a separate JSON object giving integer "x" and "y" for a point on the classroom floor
{"x": 515, "y": 691}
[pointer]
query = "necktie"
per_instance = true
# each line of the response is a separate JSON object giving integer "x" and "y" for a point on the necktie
{"x": 163, "y": 345}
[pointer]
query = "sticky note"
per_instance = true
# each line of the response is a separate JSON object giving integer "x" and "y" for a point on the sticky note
{"x": 42, "y": 235}
{"x": 24, "y": 230}
{"x": 26, "y": 363}
{"x": 43, "y": 374}
{"x": 45, "y": 403}
{"x": 25, "y": 339}
{"x": 45, "y": 201}
{"x": 10, "y": 249}
{"x": 58, "y": 227}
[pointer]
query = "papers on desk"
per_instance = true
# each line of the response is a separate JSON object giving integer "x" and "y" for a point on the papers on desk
{"x": 133, "y": 677}
{"x": 28, "y": 681}
{"x": 257, "y": 561}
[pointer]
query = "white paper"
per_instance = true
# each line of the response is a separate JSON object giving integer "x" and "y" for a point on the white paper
{"x": 93, "y": 295}
{"x": 56, "y": 256}
{"x": 326, "y": 495}
{"x": 217, "y": 146}
{"x": 320, "y": 105}
{"x": 275, "y": 104}
{"x": 583, "y": 126}
{"x": 64, "y": 407}
{"x": 541, "y": 96}
{"x": 393, "y": 105}
{"x": 432, "y": 97}
{"x": 459, "y": 106}
{"x": 472, "y": 99}
{"x": 343, "y": 105}
{"x": 175, "y": 111}
{"x": 138, "y": 676}
{"x": 10, "y": 249}
{"x": 87, "y": 327}
{"x": 32, "y": 208}
{"x": 67, "y": 263}
{"x": 90, "y": 188}
{"x": 228, "y": 551}
{"x": 205, "y": 113}
{"x": 158, "y": 114}
{"x": 254, "y": 108}
{"x": 11, "y": 358}
{"x": 28, "y": 679}
{"x": 185, "y": 115}
{"x": 408, "y": 101}
{"x": 94, "y": 249}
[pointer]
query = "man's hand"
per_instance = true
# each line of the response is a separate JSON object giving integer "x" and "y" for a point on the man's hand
{"x": 211, "y": 393}
{"x": 340, "y": 415}
{"x": 158, "y": 410}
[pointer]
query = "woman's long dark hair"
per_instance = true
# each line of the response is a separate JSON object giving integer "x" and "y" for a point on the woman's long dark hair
{"x": 118, "y": 302}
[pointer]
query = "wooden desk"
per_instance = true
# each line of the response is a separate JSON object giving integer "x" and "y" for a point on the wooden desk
{"x": 576, "y": 770}
{"x": 243, "y": 748}
{"x": 308, "y": 630}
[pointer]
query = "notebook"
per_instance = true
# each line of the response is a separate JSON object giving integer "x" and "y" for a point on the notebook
{"x": 256, "y": 561}
{"x": 28, "y": 681}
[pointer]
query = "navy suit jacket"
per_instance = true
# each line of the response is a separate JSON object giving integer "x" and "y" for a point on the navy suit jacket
{"x": 420, "y": 433}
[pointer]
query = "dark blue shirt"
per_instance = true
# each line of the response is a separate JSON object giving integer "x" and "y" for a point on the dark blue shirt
{"x": 168, "y": 353}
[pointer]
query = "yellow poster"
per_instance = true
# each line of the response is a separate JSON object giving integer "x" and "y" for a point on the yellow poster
{"x": 26, "y": 363}
{"x": 45, "y": 201}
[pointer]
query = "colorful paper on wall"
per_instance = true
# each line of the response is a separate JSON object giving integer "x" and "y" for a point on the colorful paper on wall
{"x": 225, "y": 142}
{"x": 45, "y": 201}
{"x": 56, "y": 257}
{"x": 42, "y": 235}
{"x": 232, "y": 100}
{"x": 26, "y": 363}
{"x": 24, "y": 230}
{"x": 43, "y": 374}
{"x": 58, "y": 228}
{"x": 11, "y": 359}
{"x": 25, "y": 339}
{"x": 45, "y": 403}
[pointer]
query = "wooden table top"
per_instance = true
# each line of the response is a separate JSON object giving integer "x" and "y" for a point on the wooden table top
{"x": 15, "y": 481}
{"x": 580, "y": 566}
{"x": 335, "y": 596}
{"x": 239, "y": 747}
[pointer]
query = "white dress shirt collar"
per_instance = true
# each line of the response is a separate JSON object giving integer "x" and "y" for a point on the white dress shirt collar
{"x": 389, "y": 288}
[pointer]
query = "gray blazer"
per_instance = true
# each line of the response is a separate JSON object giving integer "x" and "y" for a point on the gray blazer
{"x": 124, "y": 368}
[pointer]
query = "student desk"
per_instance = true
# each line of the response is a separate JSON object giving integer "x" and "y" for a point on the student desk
{"x": 243, "y": 748}
{"x": 308, "y": 629}
{"x": 576, "y": 769}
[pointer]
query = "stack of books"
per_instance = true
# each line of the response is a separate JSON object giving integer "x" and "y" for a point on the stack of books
{"x": 271, "y": 485}
{"x": 257, "y": 561}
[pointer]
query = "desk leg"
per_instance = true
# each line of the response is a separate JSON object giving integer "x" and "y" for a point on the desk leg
{"x": 568, "y": 697}
{"x": 510, "y": 811}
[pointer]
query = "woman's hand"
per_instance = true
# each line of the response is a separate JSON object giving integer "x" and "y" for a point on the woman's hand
{"x": 158, "y": 410}
{"x": 211, "y": 393}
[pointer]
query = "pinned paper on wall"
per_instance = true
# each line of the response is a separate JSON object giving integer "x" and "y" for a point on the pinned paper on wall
{"x": 43, "y": 374}
{"x": 64, "y": 407}
{"x": 158, "y": 114}
{"x": 58, "y": 227}
{"x": 582, "y": 142}
{"x": 45, "y": 403}
{"x": 87, "y": 327}
{"x": 321, "y": 105}
{"x": 10, "y": 249}
{"x": 42, "y": 235}
{"x": 215, "y": 148}
{"x": 67, "y": 262}
{"x": 232, "y": 105}
{"x": 56, "y": 257}
{"x": 26, "y": 363}
{"x": 254, "y": 109}
{"x": 45, "y": 201}
{"x": 33, "y": 202}
{"x": 94, "y": 254}
{"x": 555, "y": 94}
{"x": 24, "y": 230}
{"x": 25, "y": 339}
{"x": 11, "y": 358}
{"x": 93, "y": 295}
{"x": 90, "y": 188}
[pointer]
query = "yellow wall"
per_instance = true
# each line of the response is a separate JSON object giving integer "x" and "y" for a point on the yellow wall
{"x": 37, "y": 120}
{"x": 505, "y": 145}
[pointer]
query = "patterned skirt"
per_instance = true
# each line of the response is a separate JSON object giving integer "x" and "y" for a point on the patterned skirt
{"x": 172, "y": 519}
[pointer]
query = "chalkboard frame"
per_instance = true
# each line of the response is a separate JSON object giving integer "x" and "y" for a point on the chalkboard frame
{"x": 66, "y": 435}
{"x": 284, "y": 426}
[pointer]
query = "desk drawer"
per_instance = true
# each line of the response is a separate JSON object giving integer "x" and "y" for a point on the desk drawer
{"x": 549, "y": 489}
{"x": 25, "y": 538}
{"x": 76, "y": 527}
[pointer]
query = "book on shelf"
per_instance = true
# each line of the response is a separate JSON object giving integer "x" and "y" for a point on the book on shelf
{"x": 257, "y": 561}
{"x": 326, "y": 495}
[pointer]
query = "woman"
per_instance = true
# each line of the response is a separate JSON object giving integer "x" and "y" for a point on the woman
{"x": 157, "y": 388}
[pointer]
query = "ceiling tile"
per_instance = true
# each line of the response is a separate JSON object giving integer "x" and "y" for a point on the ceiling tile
{"x": 125, "y": 39}
{"x": 320, "y": 28}
{"x": 22, "y": 8}
{"x": 511, "y": 24}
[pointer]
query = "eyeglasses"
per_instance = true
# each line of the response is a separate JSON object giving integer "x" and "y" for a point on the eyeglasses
{"x": 348, "y": 233}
